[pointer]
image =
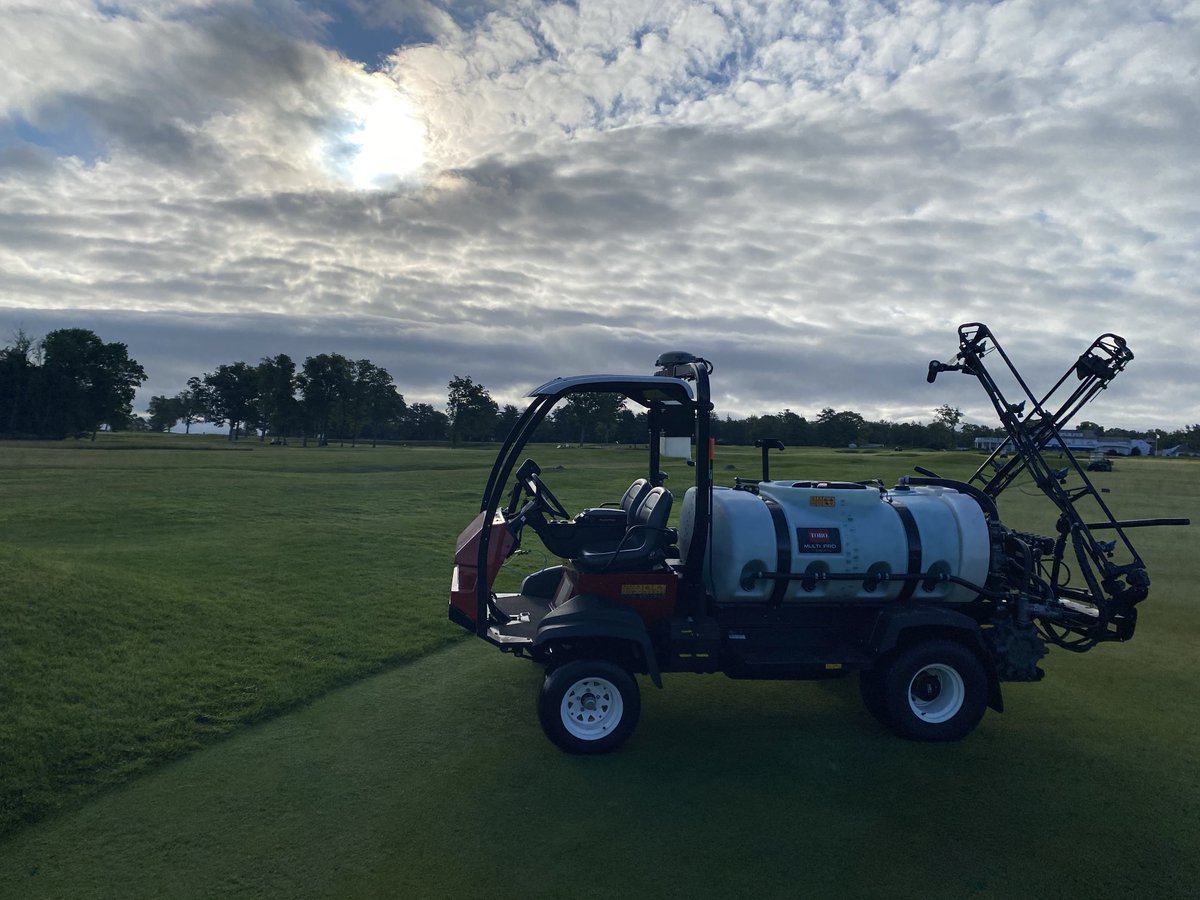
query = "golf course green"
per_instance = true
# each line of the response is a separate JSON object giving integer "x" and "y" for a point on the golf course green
{"x": 226, "y": 670}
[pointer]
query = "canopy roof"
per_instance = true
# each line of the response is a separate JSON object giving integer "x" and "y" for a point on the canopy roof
{"x": 641, "y": 389}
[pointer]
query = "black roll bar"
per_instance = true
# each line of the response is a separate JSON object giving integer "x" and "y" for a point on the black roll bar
{"x": 502, "y": 468}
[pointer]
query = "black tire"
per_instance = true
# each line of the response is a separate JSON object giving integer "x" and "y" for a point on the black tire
{"x": 589, "y": 706}
{"x": 934, "y": 691}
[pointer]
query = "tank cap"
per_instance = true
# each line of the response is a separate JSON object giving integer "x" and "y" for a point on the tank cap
{"x": 675, "y": 358}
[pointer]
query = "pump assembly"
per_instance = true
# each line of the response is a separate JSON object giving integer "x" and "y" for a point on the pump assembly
{"x": 920, "y": 587}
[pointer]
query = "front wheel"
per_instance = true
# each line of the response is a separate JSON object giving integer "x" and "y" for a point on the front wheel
{"x": 934, "y": 691}
{"x": 588, "y": 706}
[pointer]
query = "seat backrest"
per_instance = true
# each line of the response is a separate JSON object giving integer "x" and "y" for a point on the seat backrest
{"x": 633, "y": 498}
{"x": 645, "y": 542}
{"x": 654, "y": 511}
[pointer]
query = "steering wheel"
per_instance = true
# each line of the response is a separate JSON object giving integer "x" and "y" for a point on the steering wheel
{"x": 544, "y": 497}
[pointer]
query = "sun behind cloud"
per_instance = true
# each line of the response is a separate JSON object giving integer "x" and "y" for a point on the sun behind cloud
{"x": 380, "y": 139}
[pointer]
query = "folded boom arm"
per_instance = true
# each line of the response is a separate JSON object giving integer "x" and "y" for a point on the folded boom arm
{"x": 1102, "y": 608}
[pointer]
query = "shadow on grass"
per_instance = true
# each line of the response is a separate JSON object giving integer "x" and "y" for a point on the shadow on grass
{"x": 434, "y": 780}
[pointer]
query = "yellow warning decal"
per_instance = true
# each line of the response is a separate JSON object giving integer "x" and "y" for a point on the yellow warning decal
{"x": 833, "y": 666}
{"x": 643, "y": 591}
{"x": 827, "y": 502}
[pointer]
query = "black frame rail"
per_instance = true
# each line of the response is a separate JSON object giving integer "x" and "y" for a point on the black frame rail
{"x": 1075, "y": 617}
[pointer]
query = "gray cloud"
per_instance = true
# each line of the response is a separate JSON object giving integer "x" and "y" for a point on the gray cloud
{"x": 812, "y": 197}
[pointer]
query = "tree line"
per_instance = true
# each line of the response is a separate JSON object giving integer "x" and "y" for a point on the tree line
{"x": 71, "y": 383}
{"x": 327, "y": 398}
{"x": 67, "y": 384}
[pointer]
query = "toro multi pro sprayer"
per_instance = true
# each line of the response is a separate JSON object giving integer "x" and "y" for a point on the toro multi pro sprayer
{"x": 920, "y": 587}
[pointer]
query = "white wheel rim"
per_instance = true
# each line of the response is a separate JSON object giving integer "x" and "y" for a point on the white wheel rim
{"x": 936, "y": 693}
{"x": 591, "y": 708}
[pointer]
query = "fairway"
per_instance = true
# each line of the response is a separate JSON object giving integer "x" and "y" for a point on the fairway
{"x": 434, "y": 781}
{"x": 145, "y": 586}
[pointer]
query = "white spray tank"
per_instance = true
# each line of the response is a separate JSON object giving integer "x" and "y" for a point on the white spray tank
{"x": 815, "y": 528}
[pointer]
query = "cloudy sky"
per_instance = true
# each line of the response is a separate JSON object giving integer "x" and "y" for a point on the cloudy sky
{"x": 811, "y": 194}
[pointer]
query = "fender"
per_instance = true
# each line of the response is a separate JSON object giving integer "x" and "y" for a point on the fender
{"x": 590, "y": 616}
{"x": 892, "y": 623}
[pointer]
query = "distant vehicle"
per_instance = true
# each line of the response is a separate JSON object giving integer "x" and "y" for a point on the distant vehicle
{"x": 1099, "y": 463}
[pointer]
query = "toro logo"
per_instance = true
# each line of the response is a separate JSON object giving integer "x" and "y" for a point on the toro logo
{"x": 819, "y": 540}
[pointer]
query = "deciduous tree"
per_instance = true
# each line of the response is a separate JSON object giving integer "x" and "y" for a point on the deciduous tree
{"x": 233, "y": 396}
{"x": 18, "y": 380}
{"x": 505, "y": 421}
{"x": 164, "y": 413}
{"x": 948, "y": 415}
{"x": 324, "y": 385}
{"x": 838, "y": 429}
{"x": 594, "y": 413}
{"x": 277, "y": 384}
{"x": 376, "y": 400}
{"x": 92, "y": 382}
{"x": 424, "y": 423}
{"x": 472, "y": 410}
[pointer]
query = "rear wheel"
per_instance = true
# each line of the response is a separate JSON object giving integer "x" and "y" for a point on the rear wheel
{"x": 934, "y": 691}
{"x": 588, "y": 706}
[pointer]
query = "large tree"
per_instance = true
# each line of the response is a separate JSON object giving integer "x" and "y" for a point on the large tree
{"x": 191, "y": 408}
{"x": 164, "y": 412}
{"x": 593, "y": 413}
{"x": 233, "y": 397}
{"x": 18, "y": 381}
{"x": 472, "y": 410}
{"x": 424, "y": 423}
{"x": 375, "y": 401}
{"x": 324, "y": 385}
{"x": 948, "y": 416}
{"x": 838, "y": 429}
{"x": 277, "y": 404}
{"x": 941, "y": 429}
{"x": 87, "y": 383}
{"x": 196, "y": 402}
{"x": 632, "y": 428}
{"x": 505, "y": 421}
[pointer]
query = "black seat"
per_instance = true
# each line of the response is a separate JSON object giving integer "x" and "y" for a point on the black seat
{"x": 623, "y": 512}
{"x": 598, "y": 528}
{"x": 634, "y": 496}
{"x": 645, "y": 542}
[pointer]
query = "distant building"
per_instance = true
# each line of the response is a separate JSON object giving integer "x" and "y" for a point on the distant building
{"x": 1082, "y": 442}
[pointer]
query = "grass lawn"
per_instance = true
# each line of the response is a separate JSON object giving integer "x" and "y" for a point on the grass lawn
{"x": 159, "y": 593}
{"x": 155, "y": 598}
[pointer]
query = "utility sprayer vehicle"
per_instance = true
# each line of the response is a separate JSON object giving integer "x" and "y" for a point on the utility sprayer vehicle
{"x": 920, "y": 587}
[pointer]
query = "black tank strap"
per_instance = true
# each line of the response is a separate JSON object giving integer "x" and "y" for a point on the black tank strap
{"x": 783, "y": 549}
{"x": 913, "y": 535}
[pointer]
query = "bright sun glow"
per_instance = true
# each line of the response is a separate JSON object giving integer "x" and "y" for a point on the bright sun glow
{"x": 386, "y": 141}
